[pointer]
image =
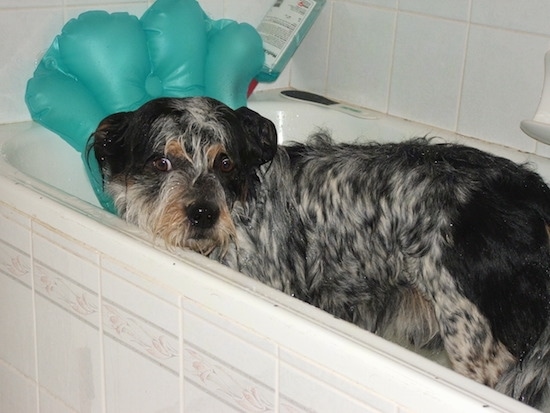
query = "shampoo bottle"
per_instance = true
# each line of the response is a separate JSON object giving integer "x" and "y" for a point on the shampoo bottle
{"x": 282, "y": 30}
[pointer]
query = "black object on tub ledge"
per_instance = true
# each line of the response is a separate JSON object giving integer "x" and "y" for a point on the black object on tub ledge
{"x": 320, "y": 100}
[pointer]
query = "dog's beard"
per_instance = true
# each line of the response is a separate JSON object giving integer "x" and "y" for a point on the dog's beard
{"x": 164, "y": 217}
{"x": 203, "y": 241}
{"x": 206, "y": 246}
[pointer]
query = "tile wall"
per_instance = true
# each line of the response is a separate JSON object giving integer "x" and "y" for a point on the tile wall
{"x": 472, "y": 66}
{"x": 82, "y": 333}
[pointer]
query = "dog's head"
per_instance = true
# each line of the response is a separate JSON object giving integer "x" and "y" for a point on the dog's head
{"x": 175, "y": 167}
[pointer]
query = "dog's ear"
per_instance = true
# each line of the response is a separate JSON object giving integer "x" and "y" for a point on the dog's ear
{"x": 108, "y": 139}
{"x": 261, "y": 136}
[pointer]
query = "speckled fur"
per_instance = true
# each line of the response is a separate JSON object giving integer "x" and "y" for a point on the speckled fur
{"x": 425, "y": 244}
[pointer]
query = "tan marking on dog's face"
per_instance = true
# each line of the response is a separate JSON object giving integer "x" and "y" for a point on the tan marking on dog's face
{"x": 175, "y": 149}
{"x": 226, "y": 228}
{"x": 213, "y": 152}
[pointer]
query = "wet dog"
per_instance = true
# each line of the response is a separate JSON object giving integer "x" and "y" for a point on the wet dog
{"x": 427, "y": 244}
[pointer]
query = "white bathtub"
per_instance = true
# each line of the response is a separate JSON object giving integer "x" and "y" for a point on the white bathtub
{"x": 95, "y": 318}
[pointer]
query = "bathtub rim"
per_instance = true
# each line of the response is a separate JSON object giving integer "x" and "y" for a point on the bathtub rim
{"x": 288, "y": 116}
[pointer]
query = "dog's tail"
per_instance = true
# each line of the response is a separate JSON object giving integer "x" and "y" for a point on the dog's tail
{"x": 529, "y": 379}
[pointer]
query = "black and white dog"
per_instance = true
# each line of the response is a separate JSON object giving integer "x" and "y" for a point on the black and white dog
{"x": 428, "y": 244}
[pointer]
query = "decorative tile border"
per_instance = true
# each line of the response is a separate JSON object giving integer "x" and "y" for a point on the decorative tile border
{"x": 225, "y": 382}
{"x": 140, "y": 335}
{"x": 231, "y": 386}
{"x": 15, "y": 263}
{"x": 67, "y": 294}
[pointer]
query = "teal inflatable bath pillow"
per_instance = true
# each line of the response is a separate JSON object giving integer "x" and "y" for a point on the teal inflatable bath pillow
{"x": 105, "y": 63}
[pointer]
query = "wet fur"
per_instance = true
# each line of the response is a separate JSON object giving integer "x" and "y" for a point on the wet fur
{"x": 425, "y": 244}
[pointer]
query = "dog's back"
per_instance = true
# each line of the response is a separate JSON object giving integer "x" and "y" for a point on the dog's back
{"x": 432, "y": 241}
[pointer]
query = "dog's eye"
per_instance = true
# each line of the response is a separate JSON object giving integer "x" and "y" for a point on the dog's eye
{"x": 224, "y": 163}
{"x": 162, "y": 164}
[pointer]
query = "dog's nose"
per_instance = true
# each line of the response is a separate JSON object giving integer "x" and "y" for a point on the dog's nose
{"x": 202, "y": 215}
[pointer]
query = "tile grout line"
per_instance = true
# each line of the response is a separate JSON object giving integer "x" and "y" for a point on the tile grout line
{"x": 181, "y": 361}
{"x": 463, "y": 69}
{"x": 35, "y": 324}
{"x": 101, "y": 333}
{"x": 392, "y": 62}
{"x": 277, "y": 378}
{"x": 329, "y": 47}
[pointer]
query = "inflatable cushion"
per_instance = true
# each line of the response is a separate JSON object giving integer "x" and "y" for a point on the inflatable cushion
{"x": 104, "y": 63}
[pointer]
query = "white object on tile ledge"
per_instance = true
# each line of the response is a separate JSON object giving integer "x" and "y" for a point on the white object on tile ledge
{"x": 539, "y": 127}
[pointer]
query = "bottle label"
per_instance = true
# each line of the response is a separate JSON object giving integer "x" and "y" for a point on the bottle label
{"x": 279, "y": 26}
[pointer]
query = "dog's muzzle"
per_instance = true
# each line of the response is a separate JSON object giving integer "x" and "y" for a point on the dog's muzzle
{"x": 203, "y": 215}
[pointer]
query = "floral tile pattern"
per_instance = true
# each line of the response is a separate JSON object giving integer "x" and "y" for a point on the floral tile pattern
{"x": 148, "y": 340}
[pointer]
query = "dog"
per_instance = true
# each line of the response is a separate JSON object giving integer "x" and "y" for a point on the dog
{"x": 429, "y": 244}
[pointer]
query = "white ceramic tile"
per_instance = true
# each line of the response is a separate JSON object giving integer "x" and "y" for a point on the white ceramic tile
{"x": 15, "y": 246}
{"x": 152, "y": 343}
{"x": 140, "y": 321}
{"x": 381, "y": 3}
{"x": 249, "y": 11}
{"x": 361, "y": 47}
{"x": 199, "y": 400}
{"x": 62, "y": 242}
{"x": 25, "y": 34}
{"x": 17, "y": 393}
{"x": 134, "y": 383}
{"x": 502, "y": 85}
{"x": 65, "y": 256}
{"x": 17, "y": 325}
{"x": 542, "y": 149}
{"x": 427, "y": 69}
{"x": 14, "y": 228}
{"x": 450, "y": 9}
{"x": 66, "y": 279}
{"x": 75, "y": 298}
{"x": 210, "y": 382}
{"x": 141, "y": 281}
{"x": 15, "y": 264}
{"x": 309, "y": 64}
{"x": 530, "y": 16}
{"x": 236, "y": 350}
{"x": 220, "y": 363}
{"x": 51, "y": 404}
{"x": 26, "y": 4}
{"x": 212, "y": 8}
{"x": 69, "y": 363}
{"x": 230, "y": 326}
{"x": 342, "y": 387}
{"x": 304, "y": 393}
